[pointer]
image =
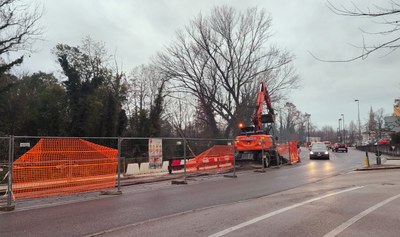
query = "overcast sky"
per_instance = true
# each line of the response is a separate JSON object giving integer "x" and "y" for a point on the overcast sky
{"x": 136, "y": 29}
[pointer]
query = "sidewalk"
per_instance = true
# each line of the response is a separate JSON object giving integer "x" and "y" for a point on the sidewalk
{"x": 387, "y": 162}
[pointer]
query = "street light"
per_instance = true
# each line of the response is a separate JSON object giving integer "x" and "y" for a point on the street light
{"x": 308, "y": 127}
{"x": 340, "y": 130}
{"x": 344, "y": 130}
{"x": 359, "y": 122}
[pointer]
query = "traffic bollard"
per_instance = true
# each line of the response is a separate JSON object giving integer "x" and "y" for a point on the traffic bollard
{"x": 366, "y": 159}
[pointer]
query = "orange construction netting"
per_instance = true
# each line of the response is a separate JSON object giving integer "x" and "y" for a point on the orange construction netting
{"x": 56, "y": 167}
{"x": 216, "y": 158}
{"x": 289, "y": 150}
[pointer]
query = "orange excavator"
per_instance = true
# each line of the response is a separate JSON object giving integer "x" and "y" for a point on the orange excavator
{"x": 254, "y": 141}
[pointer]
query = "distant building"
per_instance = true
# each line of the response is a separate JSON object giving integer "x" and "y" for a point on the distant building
{"x": 392, "y": 123}
{"x": 314, "y": 139}
{"x": 396, "y": 108}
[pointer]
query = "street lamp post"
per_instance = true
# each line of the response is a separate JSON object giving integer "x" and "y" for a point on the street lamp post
{"x": 344, "y": 130}
{"x": 340, "y": 131}
{"x": 359, "y": 122}
{"x": 308, "y": 127}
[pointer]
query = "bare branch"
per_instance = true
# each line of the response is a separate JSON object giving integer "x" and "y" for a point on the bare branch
{"x": 380, "y": 13}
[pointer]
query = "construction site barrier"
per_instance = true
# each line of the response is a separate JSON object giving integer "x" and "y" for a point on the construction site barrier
{"x": 64, "y": 166}
{"x": 143, "y": 168}
{"x": 289, "y": 150}
{"x": 294, "y": 152}
{"x": 218, "y": 157}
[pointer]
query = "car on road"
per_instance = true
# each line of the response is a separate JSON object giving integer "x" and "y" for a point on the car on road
{"x": 383, "y": 141}
{"x": 319, "y": 151}
{"x": 340, "y": 147}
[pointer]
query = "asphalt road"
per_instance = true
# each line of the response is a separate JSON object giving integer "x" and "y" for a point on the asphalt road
{"x": 209, "y": 205}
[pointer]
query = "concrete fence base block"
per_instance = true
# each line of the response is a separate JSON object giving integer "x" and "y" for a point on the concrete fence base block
{"x": 260, "y": 171}
{"x": 144, "y": 168}
{"x": 133, "y": 169}
{"x": 178, "y": 182}
{"x": 7, "y": 208}
{"x": 111, "y": 192}
{"x": 165, "y": 166}
{"x": 230, "y": 176}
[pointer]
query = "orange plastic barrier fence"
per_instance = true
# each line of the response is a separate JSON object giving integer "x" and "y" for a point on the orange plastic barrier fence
{"x": 290, "y": 150}
{"x": 56, "y": 167}
{"x": 282, "y": 149}
{"x": 294, "y": 152}
{"x": 218, "y": 157}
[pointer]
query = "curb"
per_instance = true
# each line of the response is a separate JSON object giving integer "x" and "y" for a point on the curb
{"x": 378, "y": 168}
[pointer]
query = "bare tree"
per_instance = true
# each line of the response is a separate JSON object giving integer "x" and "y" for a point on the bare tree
{"x": 18, "y": 30}
{"x": 379, "y": 116}
{"x": 221, "y": 59}
{"x": 387, "y": 19}
{"x": 352, "y": 133}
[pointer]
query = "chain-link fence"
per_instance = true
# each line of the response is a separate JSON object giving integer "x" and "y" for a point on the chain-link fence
{"x": 53, "y": 166}
{"x": 144, "y": 156}
{"x": 34, "y": 167}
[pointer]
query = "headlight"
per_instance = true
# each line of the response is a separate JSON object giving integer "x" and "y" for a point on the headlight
{"x": 326, "y": 152}
{"x": 311, "y": 152}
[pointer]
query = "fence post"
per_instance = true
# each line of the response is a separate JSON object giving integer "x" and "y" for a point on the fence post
{"x": 290, "y": 157}
{"x": 262, "y": 155}
{"x": 10, "y": 171}
{"x": 119, "y": 165}
{"x": 184, "y": 160}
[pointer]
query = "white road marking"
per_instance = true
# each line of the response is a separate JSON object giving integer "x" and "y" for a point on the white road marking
{"x": 353, "y": 220}
{"x": 268, "y": 215}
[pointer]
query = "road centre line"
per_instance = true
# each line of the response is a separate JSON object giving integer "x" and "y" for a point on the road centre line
{"x": 268, "y": 215}
{"x": 356, "y": 218}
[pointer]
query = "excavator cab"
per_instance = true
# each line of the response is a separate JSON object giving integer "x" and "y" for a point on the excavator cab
{"x": 247, "y": 130}
{"x": 267, "y": 118}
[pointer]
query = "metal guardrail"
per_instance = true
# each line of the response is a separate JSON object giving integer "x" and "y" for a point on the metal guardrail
{"x": 390, "y": 150}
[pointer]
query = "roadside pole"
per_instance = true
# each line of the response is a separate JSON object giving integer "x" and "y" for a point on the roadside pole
{"x": 290, "y": 157}
{"x": 262, "y": 155}
{"x": 119, "y": 164}
{"x": 378, "y": 155}
{"x": 261, "y": 141}
{"x": 233, "y": 162}
{"x": 9, "y": 206}
{"x": 366, "y": 159}
{"x": 184, "y": 161}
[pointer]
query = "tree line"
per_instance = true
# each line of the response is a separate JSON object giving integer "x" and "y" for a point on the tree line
{"x": 202, "y": 84}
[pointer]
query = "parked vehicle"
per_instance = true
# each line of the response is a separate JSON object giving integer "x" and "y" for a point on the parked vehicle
{"x": 257, "y": 139}
{"x": 340, "y": 147}
{"x": 383, "y": 141}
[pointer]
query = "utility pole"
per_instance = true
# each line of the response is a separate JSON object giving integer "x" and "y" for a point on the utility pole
{"x": 340, "y": 131}
{"x": 344, "y": 130}
{"x": 308, "y": 127}
{"x": 359, "y": 122}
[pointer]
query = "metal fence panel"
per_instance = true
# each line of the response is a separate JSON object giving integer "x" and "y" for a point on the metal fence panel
{"x": 53, "y": 166}
{"x": 5, "y": 199}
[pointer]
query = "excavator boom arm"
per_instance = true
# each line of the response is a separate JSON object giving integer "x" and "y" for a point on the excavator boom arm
{"x": 262, "y": 96}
